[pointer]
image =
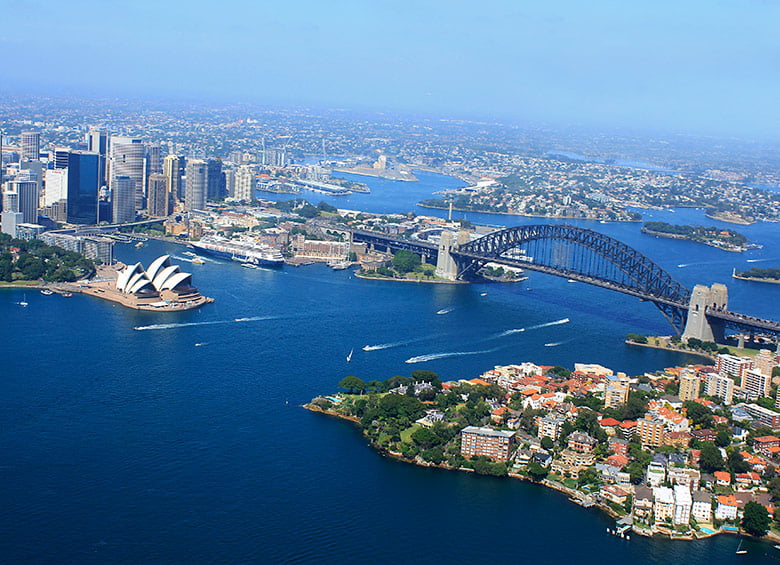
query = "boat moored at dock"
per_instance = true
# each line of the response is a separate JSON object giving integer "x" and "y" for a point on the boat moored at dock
{"x": 241, "y": 250}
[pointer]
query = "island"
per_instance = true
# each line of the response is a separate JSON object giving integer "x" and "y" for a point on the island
{"x": 728, "y": 240}
{"x": 630, "y": 446}
{"x": 758, "y": 274}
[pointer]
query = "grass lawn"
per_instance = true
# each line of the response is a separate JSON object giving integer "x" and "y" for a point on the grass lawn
{"x": 406, "y": 435}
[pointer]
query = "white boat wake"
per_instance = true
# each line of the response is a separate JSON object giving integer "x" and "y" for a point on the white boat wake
{"x": 435, "y": 356}
{"x": 446, "y": 310}
{"x": 548, "y": 324}
{"x": 758, "y": 260}
{"x": 210, "y": 323}
{"x": 379, "y": 346}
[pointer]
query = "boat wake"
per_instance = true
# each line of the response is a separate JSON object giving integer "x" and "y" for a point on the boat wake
{"x": 758, "y": 260}
{"x": 379, "y": 346}
{"x": 201, "y": 344}
{"x": 446, "y": 310}
{"x": 548, "y": 324}
{"x": 556, "y": 343}
{"x": 511, "y": 332}
{"x": 210, "y": 323}
{"x": 435, "y": 356}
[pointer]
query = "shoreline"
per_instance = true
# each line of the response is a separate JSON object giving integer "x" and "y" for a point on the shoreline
{"x": 672, "y": 348}
{"x": 686, "y": 238}
{"x": 754, "y": 279}
{"x": 429, "y": 281}
{"x": 523, "y": 215}
{"x": 572, "y": 495}
{"x": 730, "y": 220}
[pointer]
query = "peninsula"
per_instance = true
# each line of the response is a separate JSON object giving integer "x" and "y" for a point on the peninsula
{"x": 628, "y": 445}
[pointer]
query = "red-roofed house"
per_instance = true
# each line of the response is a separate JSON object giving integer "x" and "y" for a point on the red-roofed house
{"x": 763, "y": 444}
{"x": 747, "y": 480}
{"x": 722, "y": 478}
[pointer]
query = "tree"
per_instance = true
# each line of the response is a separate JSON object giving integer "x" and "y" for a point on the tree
{"x": 710, "y": 459}
{"x": 425, "y": 438}
{"x": 547, "y": 443}
{"x": 352, "y": 384}
{"x": 723, "y": 439}
{"x": 755, "y": 519}
{"x": 736, "y": 463}
{"x": 536, "y": 471}
{"x": 406, "y": 261}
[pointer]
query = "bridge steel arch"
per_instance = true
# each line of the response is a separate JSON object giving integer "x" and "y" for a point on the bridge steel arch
{"x": 580, "y": 254}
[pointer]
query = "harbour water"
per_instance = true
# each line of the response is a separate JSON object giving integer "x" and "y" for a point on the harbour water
{"x": 130, "y": 437}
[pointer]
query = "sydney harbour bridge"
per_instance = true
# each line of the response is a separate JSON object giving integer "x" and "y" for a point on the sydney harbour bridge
{"x": 586, "y": 256}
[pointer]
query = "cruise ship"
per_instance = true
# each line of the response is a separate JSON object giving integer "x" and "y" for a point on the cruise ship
{"x": 242, "y": 251}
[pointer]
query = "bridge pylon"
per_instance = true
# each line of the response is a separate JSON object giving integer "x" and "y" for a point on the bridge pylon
{"x": 446, "y": 267}
{"x": 698, "y": 325}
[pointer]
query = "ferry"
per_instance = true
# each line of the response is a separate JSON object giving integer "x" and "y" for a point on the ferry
{"x": 243, "y": 251}
{"x": 197, "y": 261}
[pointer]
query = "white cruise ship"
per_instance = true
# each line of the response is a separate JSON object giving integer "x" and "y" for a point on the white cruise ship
{"x": 240, "y": 250}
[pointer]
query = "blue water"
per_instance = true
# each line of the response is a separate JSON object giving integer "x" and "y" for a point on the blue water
{"x": 130, "y": 437}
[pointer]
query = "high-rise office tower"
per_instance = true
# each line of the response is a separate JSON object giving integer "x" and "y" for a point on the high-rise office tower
{"x": 30, "y": 145}
{"x": 59, "y": 157}
{"x": 158, "y": 198}
{"x": 123, "y": 199}
{"x": 27, "y": 203}
{"x": 215, "y": 180}
{"x": 83, "y": 186}
{"x": 245, "y": 183}
{"x": 230, "y": 182}
{"x": 173, "y": 169}
{"x": 153, "y": 159}
{"x": 195, "y": 185}
{"x": 97, "y": 142}
{"x": 10, "y": 201}
{"x": 55, "y": 186}
{"x": 128, "y": 160}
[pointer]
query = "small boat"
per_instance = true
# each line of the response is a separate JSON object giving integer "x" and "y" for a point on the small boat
{"x": 67, "y": 294}
{"x": 23, "y": 302}
{"x": 249, "y": 265}
{"x": 197, "y": 261}
{"x": 740, "y": 551}
{"x": 47, "y": 292}
{"x": 139, "y": 244}
{"x": 483, "y": 294}
{"x": 349, "y": 357}
{"x": 189, "y": 254}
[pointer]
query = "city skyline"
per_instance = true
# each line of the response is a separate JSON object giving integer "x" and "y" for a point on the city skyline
{"x": 698, "y": 68}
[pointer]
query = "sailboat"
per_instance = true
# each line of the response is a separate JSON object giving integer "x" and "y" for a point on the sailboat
{"x": 349, "y": 357}
{"x": 23, "y": 302}
{"x": 740, "y": 551}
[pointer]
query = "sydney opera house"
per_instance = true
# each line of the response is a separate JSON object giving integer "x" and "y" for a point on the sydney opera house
{"x": 162, "y": 286}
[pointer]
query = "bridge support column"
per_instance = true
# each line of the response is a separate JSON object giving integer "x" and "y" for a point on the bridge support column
{"x": 445, "y": 264}
{"x": 698, "y": 325}
{"x": 446, "y": 267}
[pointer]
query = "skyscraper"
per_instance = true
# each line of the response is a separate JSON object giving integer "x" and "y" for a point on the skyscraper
{"x": 153, "y": 159}
{"x": 245, "y": 183}
{"x": 97, "y": 142}
{"x": 27, "y": 192}
{"x": 83, "y": 186}
{"x": 30, "y": 145}
{"x": 173, "y": 169}
{"x": 123, "y": 193}
{"x": 195, "y": 188}
{"x": 128, "y": 160}
{"x": 215, "y": 180}
{"x": 159, "y": 200}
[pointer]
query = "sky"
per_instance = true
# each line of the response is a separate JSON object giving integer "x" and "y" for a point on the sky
{"x": 689, "y": 66}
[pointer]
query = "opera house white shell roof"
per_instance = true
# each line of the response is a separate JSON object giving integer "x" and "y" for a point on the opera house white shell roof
{"x": 160, "y": 275}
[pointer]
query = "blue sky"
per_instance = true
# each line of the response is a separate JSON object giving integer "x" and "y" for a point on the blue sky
{"x": 709, "y": 67}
